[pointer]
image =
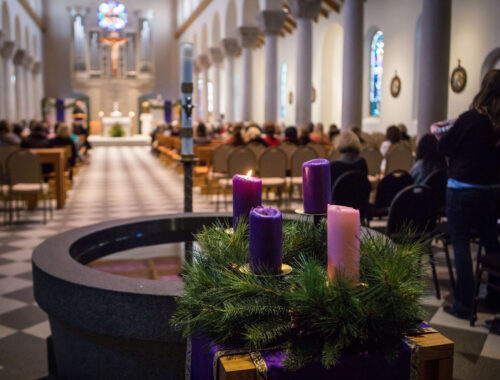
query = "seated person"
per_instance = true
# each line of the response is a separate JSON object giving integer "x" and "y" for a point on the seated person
{"x": 428, "y": 159}
{"x": 7, "y": 137}
{"x": 201, "y": 137}
{"x": 304, "y": 136}
{"x": 291, "y": 135}
{"x": 254, "y": 136}
{"x": 333, "y": 131}
{"x": 236, "y": 138}
{"x": 37, "y": 138}
{"x": 63, "y": 139}
{"x": 347, "y": 143}
{"x": 269, "y": 131}
{"x": 18, "y": 130}
{"x": 318, "y": 135}
{"x": 392, "y": 137}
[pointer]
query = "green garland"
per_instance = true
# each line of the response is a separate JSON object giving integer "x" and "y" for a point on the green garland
{"x": 303, "y": 313}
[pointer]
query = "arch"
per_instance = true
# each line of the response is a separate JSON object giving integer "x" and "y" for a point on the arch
{"x": 27, "y": 40}
{"x": 6, "y": 21}
{"x": 204, "y": 39}
{"x": 35, "y": 48}
{"x": 196, "y": 45}
{"x": 491, "y": 62}
{"x": 330, "y": 87}
{"x": 216, "y": 29}
{"x": 18, "y": 35}
{"x": 230, "y": 22}
{"x": 376, "y": 71}
{"x": 249, "y": 13}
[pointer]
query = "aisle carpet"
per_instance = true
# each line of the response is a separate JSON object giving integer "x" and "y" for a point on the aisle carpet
{"x": 122, "y": 182}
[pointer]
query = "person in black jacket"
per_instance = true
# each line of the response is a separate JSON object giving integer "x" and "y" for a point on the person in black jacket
{"x": 472, "y": 146}
{"x": 428, "y": 159}
{"x": 347, "y": 143}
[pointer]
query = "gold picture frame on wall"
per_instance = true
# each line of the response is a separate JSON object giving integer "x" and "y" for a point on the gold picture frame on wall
{"x": 395, "y": 85}
{"x": 290, "y": 97}
{"x": 458, "y": 78}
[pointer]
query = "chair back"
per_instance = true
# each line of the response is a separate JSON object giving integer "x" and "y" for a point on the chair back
{"x": 219, "y": 158}
{"x": 5, "y": 152}
{"x": 377, "y": 138}
{"x": 68, "y": 151}
{"x": 318, "y": 148}
{"x": 399, "y": 157}
{"x": 437, "y": 183}
{"x": 256, "y": 148}
{"x": 301, "y": 155}
{"x": 240, "y": 161}
{"x": 289, "y": 149}
{"x": 373, "y": 159}
{"x": 352, "y": 189}
{"x": 24, "y": 167}
{"x": 273, "y": 163}
{"x": 413, "y": 207}
{"x": 334, "y": 155}
{"x": 389, "y": 186}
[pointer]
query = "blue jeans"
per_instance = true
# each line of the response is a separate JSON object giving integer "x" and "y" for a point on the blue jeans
{"x": 467, "y": 209}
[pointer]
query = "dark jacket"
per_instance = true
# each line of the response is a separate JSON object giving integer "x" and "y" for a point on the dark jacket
{"x": 60, "y": 142}
{"x": 36, "y": 140}
{"x": 346, "y": 163}
{"x": 473, "y": 150}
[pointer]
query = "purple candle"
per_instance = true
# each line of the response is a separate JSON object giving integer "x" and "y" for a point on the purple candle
{"x": 247, "y": 193}
{"x": 316, "y": 186}
{"x": 266, "y": 228}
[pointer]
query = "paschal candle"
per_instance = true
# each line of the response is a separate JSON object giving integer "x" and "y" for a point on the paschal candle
{"x": 266, "y": 229}
{"x": 316, "y": 186}
{"x": 247, "y": 193}
{"x": 343, "y": 226}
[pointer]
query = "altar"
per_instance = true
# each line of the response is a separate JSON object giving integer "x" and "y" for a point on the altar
{"x": 115, "y": 119}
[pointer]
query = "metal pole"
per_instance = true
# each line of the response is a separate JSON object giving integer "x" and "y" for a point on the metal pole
{"x": 187, "y": 157}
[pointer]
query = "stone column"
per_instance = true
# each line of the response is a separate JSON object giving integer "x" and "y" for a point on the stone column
{"x": 304, "y": 12}
{"x": 28, "y": 88}
{"x": 20, "y": 96}
{"x": 204, "y": 62}
{"x": 231, "y": 50}
{"x": 35, "y": 75}
{"x": 434, "y": 64}
{"x": 248, "y": 38}
{"x": 196, "y": 100}
{"x": 270, "y": 23}
{"x": 216, "y": 57}
{"x": 352, "y": 64}
{"x": 7, "y": 98}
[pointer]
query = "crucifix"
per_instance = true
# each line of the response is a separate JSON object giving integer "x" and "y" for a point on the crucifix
{"x": 115, "y": 41}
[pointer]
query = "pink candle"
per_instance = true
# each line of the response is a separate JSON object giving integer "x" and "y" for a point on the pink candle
{"x": 343, "y": 226}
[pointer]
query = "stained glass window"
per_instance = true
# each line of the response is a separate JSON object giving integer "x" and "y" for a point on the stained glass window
{"x": 376, "y": 68}
{"x": 283, "y": 90}
{"x": 112, "y": 16}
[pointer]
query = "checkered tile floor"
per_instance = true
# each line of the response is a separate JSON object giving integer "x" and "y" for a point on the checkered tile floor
{"x": 123, "y": 182}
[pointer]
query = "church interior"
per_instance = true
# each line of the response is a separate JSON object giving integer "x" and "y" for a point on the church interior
{"x": 250, "y": 189}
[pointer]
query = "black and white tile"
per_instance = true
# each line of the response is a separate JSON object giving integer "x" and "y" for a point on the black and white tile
{"x": 124, "y": 182}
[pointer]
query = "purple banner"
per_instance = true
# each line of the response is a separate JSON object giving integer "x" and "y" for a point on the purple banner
{"x": 167, "y": 109}
{"x": 60, "y": 109}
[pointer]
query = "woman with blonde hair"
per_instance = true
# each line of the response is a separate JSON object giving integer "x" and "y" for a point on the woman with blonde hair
{"x": 63, "y": 139}
{"x": 347, "y": 143}
{"x": 472, "y": 146}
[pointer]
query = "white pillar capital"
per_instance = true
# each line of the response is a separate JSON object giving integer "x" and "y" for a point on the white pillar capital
{"x": 7, "y": 49}
{"x": 204, "y": 61}
{"x": 230, "y": 47}
{"x": 248, "y": 36}
{"x": 19, "y": 57}
{"x": 304, "y": 8}
{"x": 216, "y": 55}
{"x": 271, "y": 22}
{"x": 36, "y": 68}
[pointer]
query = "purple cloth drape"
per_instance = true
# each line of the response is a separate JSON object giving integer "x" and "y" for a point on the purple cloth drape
{"x": 167, "y": 109}
{"x": 60, "y": 109}
{"x": 358, "y": 366}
